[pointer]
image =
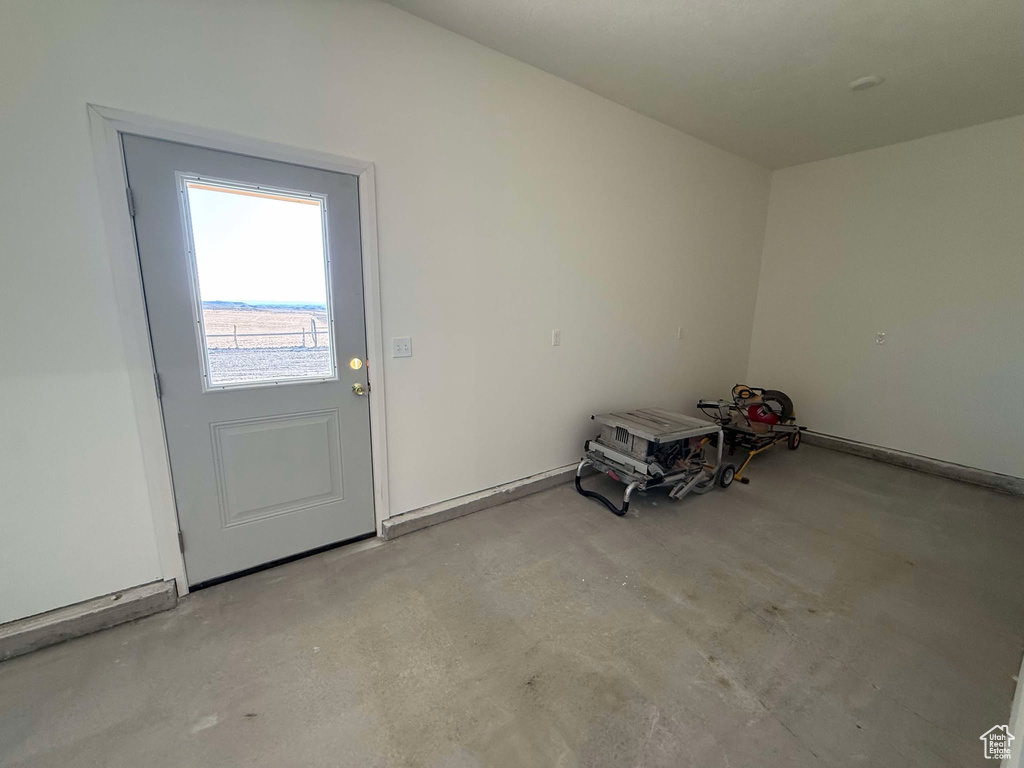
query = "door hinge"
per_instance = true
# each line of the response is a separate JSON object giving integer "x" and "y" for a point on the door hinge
{"x": 156, "y": 385}
{"x": 131, "y": 201}
{"x": 181, "y": 542}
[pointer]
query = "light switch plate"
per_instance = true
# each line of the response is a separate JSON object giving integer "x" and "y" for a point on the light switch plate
{"x": 401, "y": 346}
{"x": 556, "y": 337}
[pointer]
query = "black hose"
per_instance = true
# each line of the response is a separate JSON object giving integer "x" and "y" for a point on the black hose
{"x": 602, "y": 499}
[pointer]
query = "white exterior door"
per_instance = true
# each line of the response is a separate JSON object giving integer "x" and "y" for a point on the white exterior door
{"x": 253, "y": 282}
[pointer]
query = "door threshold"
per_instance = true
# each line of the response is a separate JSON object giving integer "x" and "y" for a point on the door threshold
{"x": 281, "y": 561}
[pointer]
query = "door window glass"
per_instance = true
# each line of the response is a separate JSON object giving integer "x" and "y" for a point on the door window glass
{"x": 260, "y": 269}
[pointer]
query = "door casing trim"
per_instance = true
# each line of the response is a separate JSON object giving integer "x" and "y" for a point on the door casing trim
{"x": 105, "y": 127}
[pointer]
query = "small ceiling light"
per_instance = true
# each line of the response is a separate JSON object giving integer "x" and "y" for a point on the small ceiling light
{"x": 863, "y": 83}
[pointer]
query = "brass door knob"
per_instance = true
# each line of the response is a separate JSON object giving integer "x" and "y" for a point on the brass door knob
{"x": 359, "y": 389}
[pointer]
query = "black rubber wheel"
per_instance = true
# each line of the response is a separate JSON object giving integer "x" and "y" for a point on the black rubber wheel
{"x": 793, "y": 441}
{"x": 780, "y": 403}
{"x": 726, "y": 475}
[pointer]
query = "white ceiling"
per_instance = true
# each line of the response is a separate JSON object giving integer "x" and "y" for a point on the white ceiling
{"x": 768, "y": 79}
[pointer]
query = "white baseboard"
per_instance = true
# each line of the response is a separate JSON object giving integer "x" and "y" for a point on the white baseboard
{"x": 994, "y": 480}
{"x": 35, "y": 632}
{"x": 399, "y": 525}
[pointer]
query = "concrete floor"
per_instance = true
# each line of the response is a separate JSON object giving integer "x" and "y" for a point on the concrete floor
{"x": 833, "y": 612}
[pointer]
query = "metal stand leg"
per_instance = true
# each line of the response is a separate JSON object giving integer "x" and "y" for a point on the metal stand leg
{"x": 752, "y": 454}
{"x": 683, "y": 488}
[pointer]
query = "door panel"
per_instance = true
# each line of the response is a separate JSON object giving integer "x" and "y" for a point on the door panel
{"x": 253, "y": 282}
{"x": 274, "y": 465}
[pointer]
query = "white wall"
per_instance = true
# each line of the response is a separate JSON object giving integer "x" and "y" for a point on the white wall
{"x": 510, "y": 203}
{"x": 923, "y": 241}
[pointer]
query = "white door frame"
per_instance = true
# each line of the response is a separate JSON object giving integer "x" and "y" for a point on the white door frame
{"x": 106, "y": 126}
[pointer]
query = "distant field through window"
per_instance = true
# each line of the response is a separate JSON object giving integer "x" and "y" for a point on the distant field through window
{"x": 261, "y": 270}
